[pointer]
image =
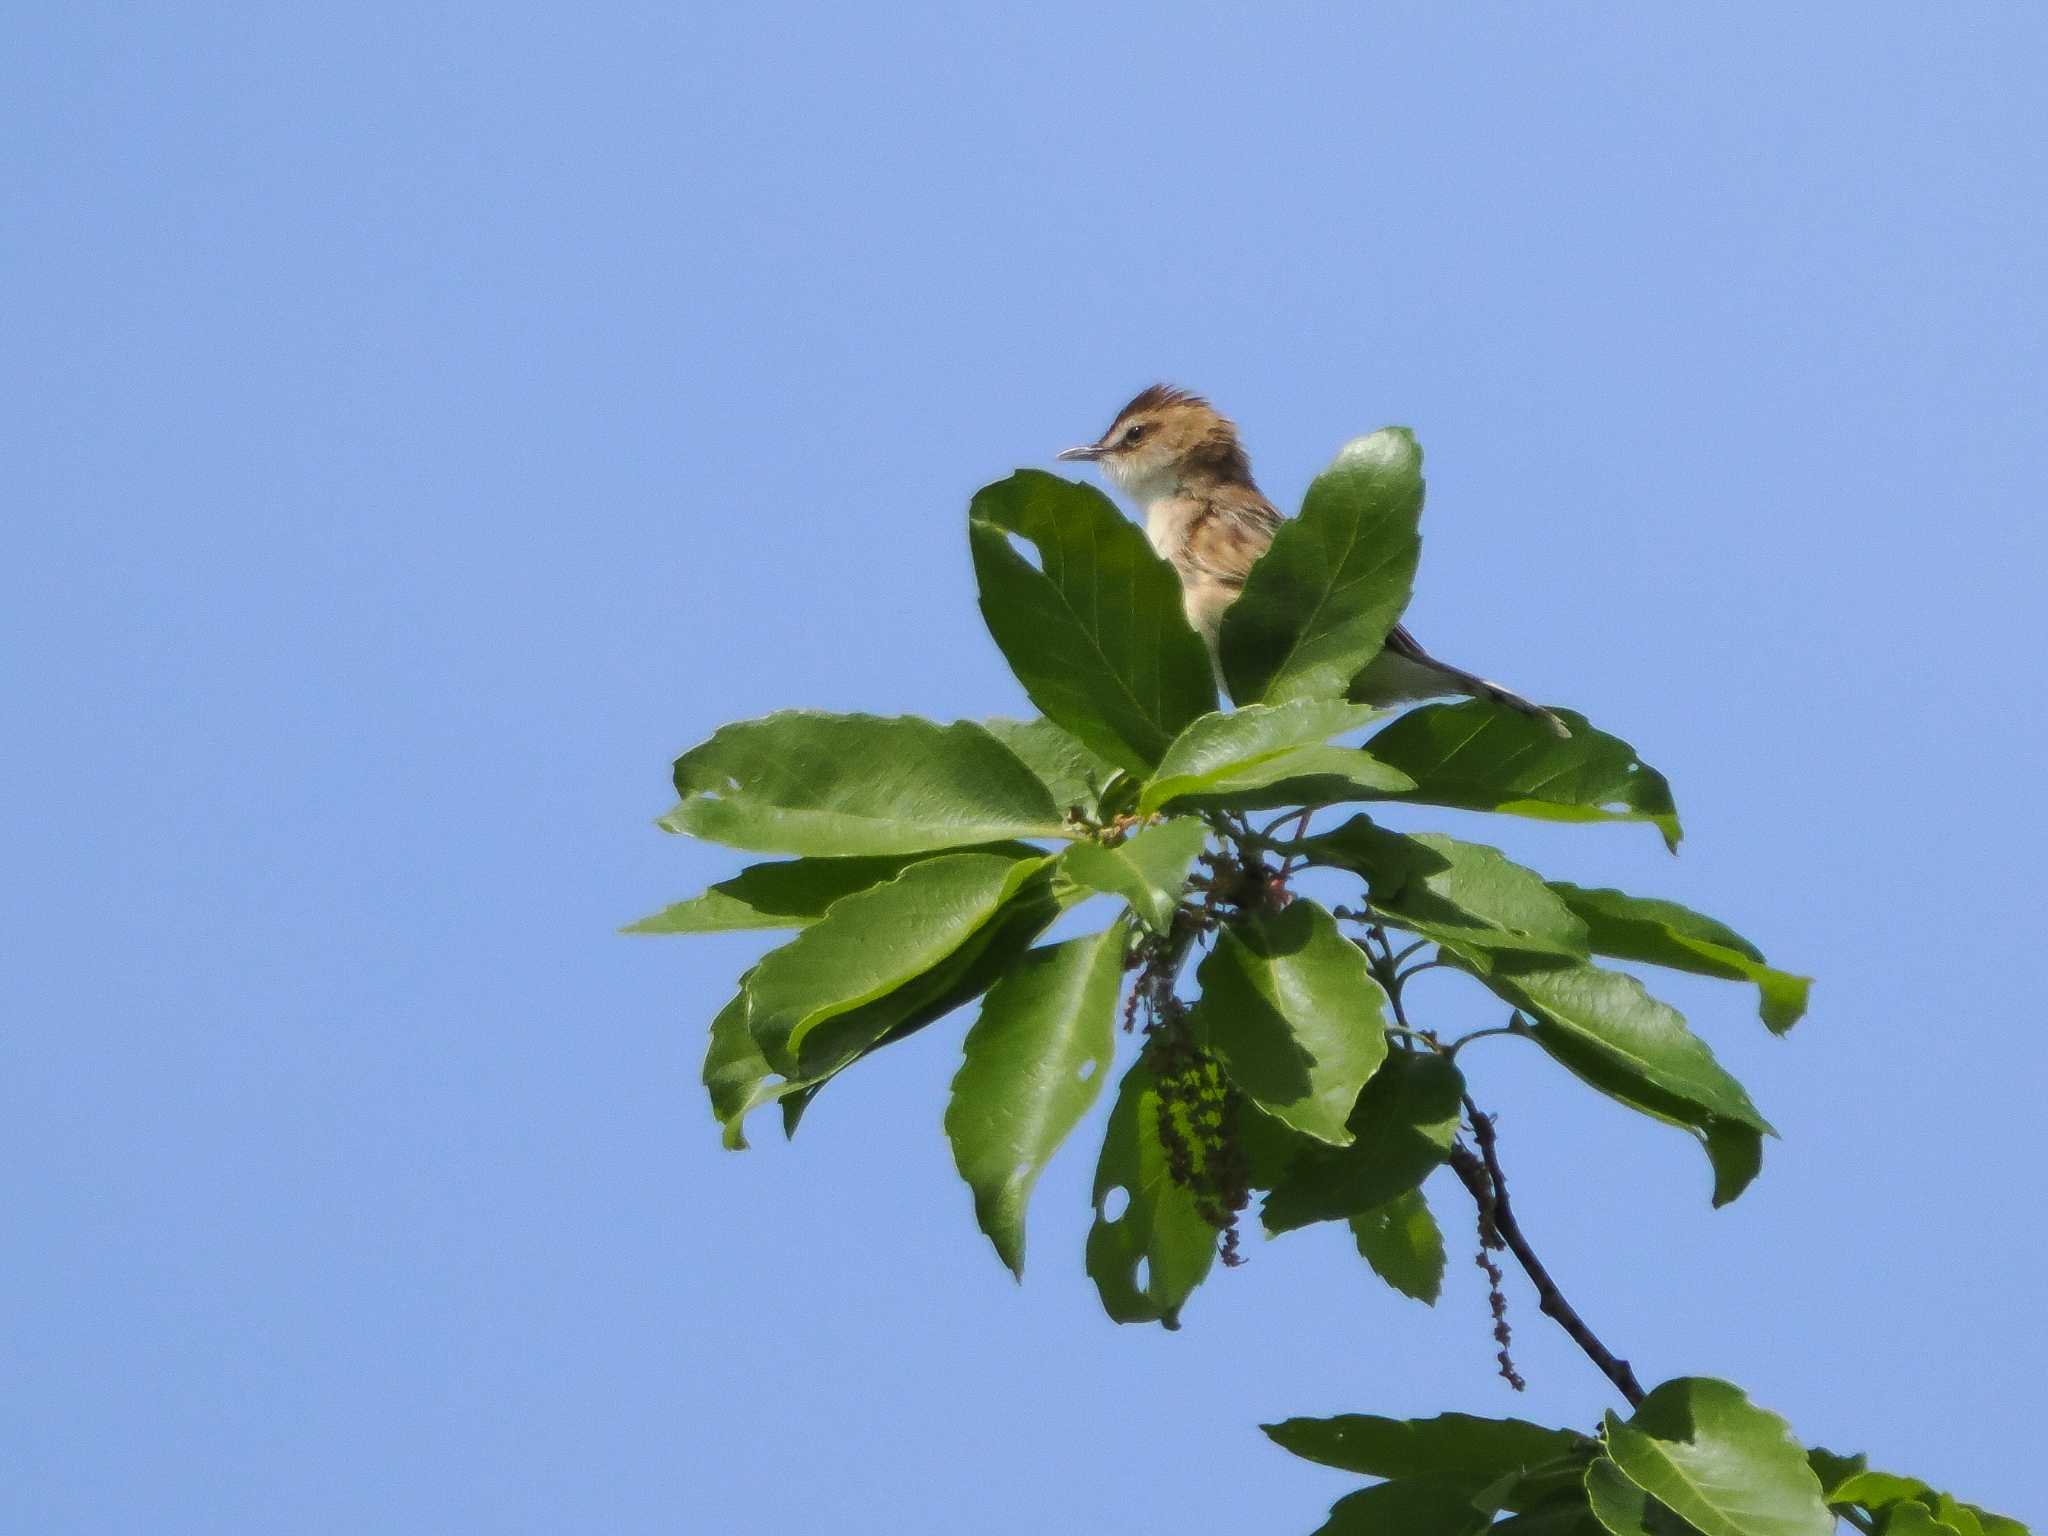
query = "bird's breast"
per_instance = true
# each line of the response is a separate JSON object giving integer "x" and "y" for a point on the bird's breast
{"x": 1167, "y": 521}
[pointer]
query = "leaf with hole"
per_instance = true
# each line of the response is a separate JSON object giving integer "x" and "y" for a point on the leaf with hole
{"x": 1033, "y": 1063}
{"x": 1149, "y": 1246}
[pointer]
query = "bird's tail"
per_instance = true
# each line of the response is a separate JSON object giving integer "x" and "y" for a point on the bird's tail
{"x": 1404, "y": 647}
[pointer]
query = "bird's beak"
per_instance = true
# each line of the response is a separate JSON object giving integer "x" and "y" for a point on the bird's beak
{"x": 1092, "y": 451}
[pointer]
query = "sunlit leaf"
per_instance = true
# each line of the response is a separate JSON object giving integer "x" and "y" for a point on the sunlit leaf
{"x": 1148, "y": 870}
{"x": 870, "y": 945}
{"x": 809, "y": 783}
{"x": 1728, "y": 1468}
{"x": 1319, "y": 602}
{"x": 1263, "y": 755}
{"x": 1095, "y": 632}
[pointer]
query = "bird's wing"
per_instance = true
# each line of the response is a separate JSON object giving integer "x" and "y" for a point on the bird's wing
{"x": 1229, "y": 534}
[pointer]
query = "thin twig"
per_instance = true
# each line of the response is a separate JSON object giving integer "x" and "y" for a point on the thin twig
{"x": 1488, "y": 1186}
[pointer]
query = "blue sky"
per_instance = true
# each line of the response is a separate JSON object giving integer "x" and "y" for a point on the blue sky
{"x": 422, "y": 422}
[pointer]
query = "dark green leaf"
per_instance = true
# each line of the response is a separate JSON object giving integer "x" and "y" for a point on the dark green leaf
{"x": 794, "y": 894}
{"x": 1403, "y": 1125}
{"x": 1478, "y": 757}
{"x": 1073, "y": 774}
{"x": 1401, "y": 1242}
{"x": 1734, "y": 1150}
{"x": 1411, "y": 1506}
{"x": 1294, "y": 1015}
{"x": 1034, "y": 1061}
{"x": 1148, "y": 870}
{"x": 1268, "y": 754}
{"x": 1148, "y": 1258}
{"x": 1906, "y": 1519}
{"x": 810, "y": 783}
{"x": 869, "y": 946}
{"x": 1664, "y": 933}
{"x": 1464, "y": 895}
{"x": 1318, "y": 604}
{"x": 1097, "y": 635}
{"x": 1612, "y": 1016}
{"x": 1477, "y": 1450}
{"x": 1725, "y": 1466}
{"x": 736, "y": 1075}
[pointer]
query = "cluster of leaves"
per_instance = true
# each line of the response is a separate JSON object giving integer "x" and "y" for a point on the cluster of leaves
{"x": 924, "y": 863}
{"x": 1695, "y": 1456}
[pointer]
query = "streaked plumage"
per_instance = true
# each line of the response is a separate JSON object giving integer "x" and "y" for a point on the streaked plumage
{"x": 1180, "y": 460}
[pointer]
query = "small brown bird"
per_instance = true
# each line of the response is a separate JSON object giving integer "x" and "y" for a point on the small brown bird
{"x": 1179, "y": 459}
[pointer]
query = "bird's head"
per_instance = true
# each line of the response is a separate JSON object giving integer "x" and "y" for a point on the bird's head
{"x": 1164, "y": 440}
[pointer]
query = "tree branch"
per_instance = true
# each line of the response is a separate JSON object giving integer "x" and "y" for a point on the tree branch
{"x": 1488, "y": 1185}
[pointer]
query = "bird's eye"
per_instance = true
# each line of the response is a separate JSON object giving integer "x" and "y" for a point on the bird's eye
{"x": 1131, "y": 437}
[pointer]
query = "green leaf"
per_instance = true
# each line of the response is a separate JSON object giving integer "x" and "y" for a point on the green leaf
{"x": 1477, "y": 1450}
{"x": 1034, "y": 1061}
{"x": 1464, "y": 895}
{"x": 1400, "y": 1240}
{"x": 1612, "y": 1016}
{"x": 810, "y": 783}
{"x": 1907, "y": 1519}
{"x": 868, "y": 947}
{"x": 1291, "y": 1010}
{"x": 1073, "y": 774}
{"x": 1664, "y": 933}
{"x": 1095, "y": 633}
{"x": 736, "y": 1075}
{"x": 1735, "y": 1151}
{"x": 1148, "y": 1258}
{"x": 1262, "y": 755}
{"x": 1727, "y": 1467}
{"x": 1318, "y": 603}
{"x": 793, "y": 894}
{"x": 1477, "y": 757}
{"x": 1621, "y": 1507}
{"x": 1403, "y": 1125}
{"x": 1876, "y": 1490}
{"x": 1148, "y": 869}
{"x": 986, "y": 957}
{"x": 1833, "y": 1470}
{"x": 1411, "y": 1506}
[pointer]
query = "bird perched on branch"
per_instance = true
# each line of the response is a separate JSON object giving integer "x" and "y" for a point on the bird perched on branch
{"x": 1179, "y": 459}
